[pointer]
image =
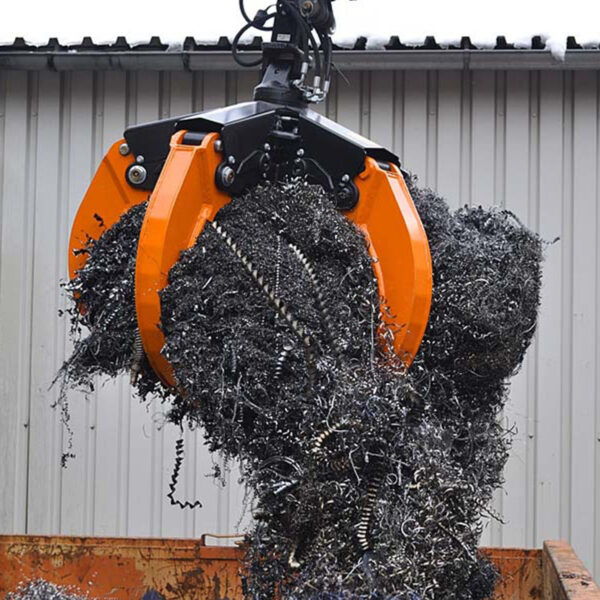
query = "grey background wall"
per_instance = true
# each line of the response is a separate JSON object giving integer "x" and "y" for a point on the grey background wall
{"x": 524, "y": 140}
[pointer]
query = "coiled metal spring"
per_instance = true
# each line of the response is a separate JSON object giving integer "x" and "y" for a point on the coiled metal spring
{"x": 326, "y": 316}
{"x": 281, "y": 360}
{"x": 363, "y": 534}
{"x": 137, "y": 357}
{"x": 278, "y": 303}
{"x": 179, "y": 456}
{"x": 337, "y": 465}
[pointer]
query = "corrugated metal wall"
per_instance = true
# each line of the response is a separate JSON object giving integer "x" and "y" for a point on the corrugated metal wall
{"x": 528, "y": 141}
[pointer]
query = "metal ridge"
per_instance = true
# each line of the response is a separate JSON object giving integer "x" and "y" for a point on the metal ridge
{"x": 190, "y": 44}
{"x": 350, "y": 60}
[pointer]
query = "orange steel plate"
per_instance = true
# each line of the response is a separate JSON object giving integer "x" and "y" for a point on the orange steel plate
{"x": 185, "y": 197}
{"x": 123, "y": 569}
{"x": 108, "y": 197}
{"x": 400, "y": 250}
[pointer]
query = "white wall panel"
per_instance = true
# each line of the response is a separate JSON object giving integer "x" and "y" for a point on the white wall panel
{"x": 523, "y": 140}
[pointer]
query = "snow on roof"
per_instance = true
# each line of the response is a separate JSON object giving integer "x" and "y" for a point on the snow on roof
{"x": 377, "y": 20}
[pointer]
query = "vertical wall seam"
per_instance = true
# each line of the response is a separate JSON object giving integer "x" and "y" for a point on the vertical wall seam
{"x": 96, "y": 155}
{"x": 3, "y": 92}
{"x": 394, "y": 113}
{"x": 503, "y": 176}
{"x": 596, "y": 515}
{"x": 433, "y": 111}
{"x": 53, "y": 81}
{"x": 132, "y": 98}
{"x": 500, "y": 139}
{"x": 534, "y": 220}
{"x": 532, "y": 415}
{"x": 197, "y": 93}
{"x": 60, "y": 192}
{"x": 21, "y": 457}
{"x": 567, "y": 315}
{"x": 164, "y": 98}
{"x": 466, "y": 116}
{"x": 124, "y": 404}
{"x": 65, "y": 133}
{"x": 499, "y": 200}
{"x": 121, "y": 488}
{"x": 132, "y": 90}
{"x": 402, "y": 77}
{"x": 365, "y": 107}
{"x": 470, "y": 100}
{"x": 89, "y": 515}
{"x": 563, "y": 472}
{"x": 29, "y": 235}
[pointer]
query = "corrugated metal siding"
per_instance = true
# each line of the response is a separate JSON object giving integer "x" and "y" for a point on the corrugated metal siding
{"x": 524, "y": 140}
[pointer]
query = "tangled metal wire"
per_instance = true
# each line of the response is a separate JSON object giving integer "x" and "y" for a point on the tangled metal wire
{"x": 368, "y": 481}
{"x": 102, "y": 313}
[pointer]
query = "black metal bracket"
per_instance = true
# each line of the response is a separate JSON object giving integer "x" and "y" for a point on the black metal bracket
{"x": 262, "y": 141}
{"x": 149, "y": 145}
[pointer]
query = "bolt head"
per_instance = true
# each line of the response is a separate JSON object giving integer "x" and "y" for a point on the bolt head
{"x": 137, "y": 175}
{"x": 227, "y": 176}
{"x": 307, "y": 8}
{"x": 231, "y": 160}
{"x": 346, "y": 178}
{"x": 265, "y": 163}
{"x": 267, "y": 147}
{"x": 299, "y": 167}
{"x": 300, "y": 152}
{"x": 123, "y": 149}
{"x": 219, "y": 145}
{"x": 139, "y": 159}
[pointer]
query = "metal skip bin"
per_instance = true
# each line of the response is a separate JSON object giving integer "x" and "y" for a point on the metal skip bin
{"x": 174, "y": 569}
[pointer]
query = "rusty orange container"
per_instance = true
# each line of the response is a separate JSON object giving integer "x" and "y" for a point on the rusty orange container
{"x": 129, "y": 569}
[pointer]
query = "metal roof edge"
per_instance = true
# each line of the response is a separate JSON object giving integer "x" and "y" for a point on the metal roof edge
{"x": 349, "y": 60}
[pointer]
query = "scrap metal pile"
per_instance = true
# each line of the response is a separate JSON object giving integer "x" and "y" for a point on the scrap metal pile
{"x": 43, "y": 590}
{"x": 368, "y": 480}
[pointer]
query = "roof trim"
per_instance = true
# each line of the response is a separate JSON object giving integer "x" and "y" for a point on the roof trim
{"x": 349, "y": 60}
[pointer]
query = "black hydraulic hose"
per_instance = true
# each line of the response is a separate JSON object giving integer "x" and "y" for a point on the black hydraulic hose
{"x": 327, "y": 46}
{"x": 305, "y": 49}
{"x": 317, "y": 54}
{"x": 330, "y": 59}
{"x": 235, "y": 51}
{"x": 301, "y": 21}
{"x": 260, "y": 16}
{"x": 235, "y": 47}
{"x": 244, "y": 13}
